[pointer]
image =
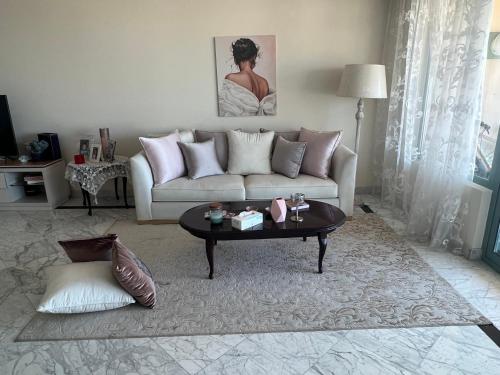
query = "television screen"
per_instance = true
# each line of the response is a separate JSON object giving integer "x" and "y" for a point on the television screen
{"x": 8, "y": 145}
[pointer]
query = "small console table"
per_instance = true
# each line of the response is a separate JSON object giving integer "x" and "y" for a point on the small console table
{"x": 53, "y": 188}
{"x": 92, "y": 176}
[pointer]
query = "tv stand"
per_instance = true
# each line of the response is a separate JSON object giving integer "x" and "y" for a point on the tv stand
{"x": 16, "y": 194}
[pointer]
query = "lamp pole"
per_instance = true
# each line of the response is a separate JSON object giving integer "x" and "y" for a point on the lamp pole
{"x": 360, "y": 115}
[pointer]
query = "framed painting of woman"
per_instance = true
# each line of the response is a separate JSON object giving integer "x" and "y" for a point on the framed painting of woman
{"x": 246, "y": 75}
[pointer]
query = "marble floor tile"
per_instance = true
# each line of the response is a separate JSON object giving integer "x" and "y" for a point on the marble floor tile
{"x": 403, "y": 347}
{"x": 462, "y": 350}
{"x": 197, "y": 352}
{"x": 345, "y": 358}
{"x": 299, "y": 350}
{"x": 16, "y": 310}
{"x": 248, "y": 358}
{"x": 132, "y": 356}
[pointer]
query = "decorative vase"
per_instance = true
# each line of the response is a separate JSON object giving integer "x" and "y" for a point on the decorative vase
{"x": 104, "y": 133}
{"x": 278, "y": 210}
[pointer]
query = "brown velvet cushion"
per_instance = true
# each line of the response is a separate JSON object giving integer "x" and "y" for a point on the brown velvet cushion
{"x": 221, "y": 147}
{"x": 133, "y": 275}
{"x": 89, "y": 249}
{"x": 319, "y": 151}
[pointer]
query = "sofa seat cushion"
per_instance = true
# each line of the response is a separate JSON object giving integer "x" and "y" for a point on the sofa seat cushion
{"x": 277, "y": 185}
{"x": 211, "y": 188}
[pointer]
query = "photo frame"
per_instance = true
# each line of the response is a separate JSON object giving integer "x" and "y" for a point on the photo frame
{"x": 85, "y": 148}
{"x": 111, "y": 149}
{"x": 95, "y": 153}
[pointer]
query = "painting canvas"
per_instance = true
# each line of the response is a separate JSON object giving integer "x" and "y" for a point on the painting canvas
{"x": 494, "y": 46}
{"x": 246, "y": 75}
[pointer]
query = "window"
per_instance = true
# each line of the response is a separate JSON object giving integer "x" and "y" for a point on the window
{"x": 490, "y": 118}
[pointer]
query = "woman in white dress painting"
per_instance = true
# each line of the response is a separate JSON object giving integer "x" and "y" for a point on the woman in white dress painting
{"x": 246, "y": 93}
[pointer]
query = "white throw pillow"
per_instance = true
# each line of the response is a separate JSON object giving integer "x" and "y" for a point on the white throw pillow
{"x": 249, "y": 153}
{"x": 82, "y": 287}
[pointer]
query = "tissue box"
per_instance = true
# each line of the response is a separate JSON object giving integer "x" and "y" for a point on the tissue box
{"x": 247, "y": 220}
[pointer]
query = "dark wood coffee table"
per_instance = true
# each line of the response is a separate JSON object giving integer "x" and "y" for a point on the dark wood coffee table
{"x": 319, "y": 220}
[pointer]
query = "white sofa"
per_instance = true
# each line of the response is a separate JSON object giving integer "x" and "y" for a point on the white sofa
{"x": 167, "y": 202}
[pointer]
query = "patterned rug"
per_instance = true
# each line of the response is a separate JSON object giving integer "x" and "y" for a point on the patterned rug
{"x": 371, "y": 279}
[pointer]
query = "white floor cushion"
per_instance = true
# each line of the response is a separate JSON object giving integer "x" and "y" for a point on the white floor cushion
{"x": 82, "y": 287}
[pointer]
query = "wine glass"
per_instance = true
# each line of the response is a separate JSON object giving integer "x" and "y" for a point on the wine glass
{"x": 298, "y": 200}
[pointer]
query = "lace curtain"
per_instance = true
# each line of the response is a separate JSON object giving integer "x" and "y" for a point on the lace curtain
{"x": 435, "y": 56}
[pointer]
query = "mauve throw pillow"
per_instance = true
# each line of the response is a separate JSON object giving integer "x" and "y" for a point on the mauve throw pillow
{"x": 133, "y": 275}
{"x": 165, "y": 157}
{"x": 89, "y": 249}
{"x": 249, "y": 153}
{"x": 319, "y": 151}
{"x": 220, "y": 139}
{"x": 287, "y": 157}
{"x": 201, "y": 159}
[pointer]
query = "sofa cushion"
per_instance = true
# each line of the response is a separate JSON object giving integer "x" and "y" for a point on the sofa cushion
{"x": 289, "y": 135}
{"x": 276, "y": 185}
{"x": 211, "y": 188}
{"x": 319, "y": 151}
{"x": 201, "y": 159}
{"x": 287, "y": 157}
{"x": 220, "y": 139}
{"x": 249, "y": 153}
{"x": 165, "y": 157}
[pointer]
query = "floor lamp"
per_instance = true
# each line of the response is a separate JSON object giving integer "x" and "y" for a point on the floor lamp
{"x": 362, "y": 81}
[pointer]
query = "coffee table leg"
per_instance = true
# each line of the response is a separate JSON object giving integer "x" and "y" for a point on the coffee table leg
{"x": 322, "y": 239}
{"x": 209, "y": 246}
{"x": 304, "y": 239}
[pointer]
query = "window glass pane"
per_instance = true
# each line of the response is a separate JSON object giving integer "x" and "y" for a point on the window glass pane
{"x": 497, "y": 242}
{"x": 490, "y": 124}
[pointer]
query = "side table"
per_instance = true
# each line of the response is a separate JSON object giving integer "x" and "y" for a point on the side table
{"x": 92, "y": 176}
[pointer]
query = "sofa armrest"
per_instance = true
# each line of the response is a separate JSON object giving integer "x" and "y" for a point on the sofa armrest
{"x": 142, "y": 182}
{"x": 343, "y": 172}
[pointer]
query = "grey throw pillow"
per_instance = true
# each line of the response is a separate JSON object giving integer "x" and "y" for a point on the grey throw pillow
{"x": 201, "y": 159}
{"x": 220, "y": 139}
{"x": 319, "y": 152}
{"x": 249, "y": 153}
{"x": 287, "y": 157}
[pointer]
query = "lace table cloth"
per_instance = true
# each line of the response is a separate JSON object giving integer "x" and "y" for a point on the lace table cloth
{"x": 92, "y": 176}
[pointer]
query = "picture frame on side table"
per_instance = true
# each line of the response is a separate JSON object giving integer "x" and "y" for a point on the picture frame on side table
{"x": 85, "y": 148}
{"x": 95, "y": 153}
{"x": 111, "y": 149}
{"x": 104, "y": 133}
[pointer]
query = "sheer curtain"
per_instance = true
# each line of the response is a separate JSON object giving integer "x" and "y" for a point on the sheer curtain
{"x": 435, "y": 56}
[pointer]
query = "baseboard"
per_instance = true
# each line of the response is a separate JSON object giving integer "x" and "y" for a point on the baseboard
{"x": 368, "y": 190}
{"x": 157, "y": 222}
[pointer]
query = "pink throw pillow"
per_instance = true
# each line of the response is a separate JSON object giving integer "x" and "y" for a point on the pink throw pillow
{"x": 165, "y": 157}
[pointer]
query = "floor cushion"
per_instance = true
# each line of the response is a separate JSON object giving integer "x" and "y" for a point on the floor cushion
{"x": 89, "y": 249}
{"x": 82, "y": 287}
{"x": 133, "y": 275}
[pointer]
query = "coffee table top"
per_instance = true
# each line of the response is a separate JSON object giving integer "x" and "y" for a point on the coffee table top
{"x": 319, "y": 218}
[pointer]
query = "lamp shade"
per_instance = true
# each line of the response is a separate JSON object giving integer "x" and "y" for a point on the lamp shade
{"x": 363, "y": 81}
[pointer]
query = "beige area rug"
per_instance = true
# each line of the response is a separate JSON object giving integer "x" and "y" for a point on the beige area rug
{"x": 371, "y": 279}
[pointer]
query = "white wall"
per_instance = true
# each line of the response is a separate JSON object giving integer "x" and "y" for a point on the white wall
{"x": 137, "y": 67}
